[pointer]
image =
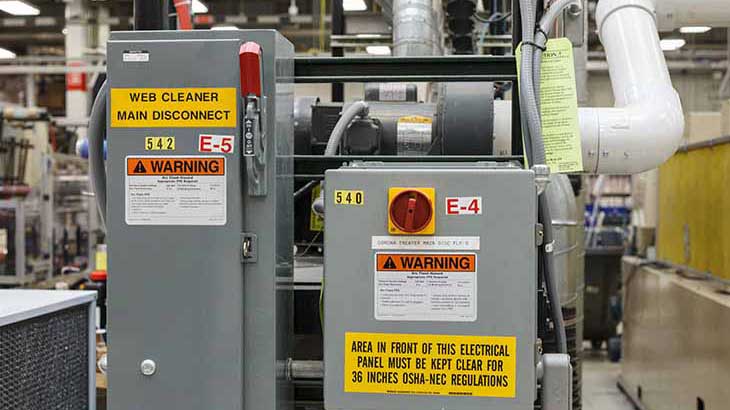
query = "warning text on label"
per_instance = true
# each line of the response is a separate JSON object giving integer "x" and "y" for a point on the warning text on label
{"x": 441, "y": 365}
{"x": 175, "y": 166}
{"x": 426, "y": 263}
{"x": 173, "y": 107}
{"x": 426, "y": 286}
{"x": 175, "y": 190}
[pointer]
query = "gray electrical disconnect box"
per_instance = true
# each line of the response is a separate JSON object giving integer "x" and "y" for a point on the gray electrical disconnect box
{"x": 199, "y": 218}
{"x": 430, "y": 287}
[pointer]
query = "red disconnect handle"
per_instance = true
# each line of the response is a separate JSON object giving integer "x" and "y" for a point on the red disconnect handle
{"x": 249, "y": 58}
{"x": 98, "y": 276}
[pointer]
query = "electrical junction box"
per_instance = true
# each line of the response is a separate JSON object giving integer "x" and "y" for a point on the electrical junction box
{"x": 446, "y": 320}
{"x": 199, "y": 220}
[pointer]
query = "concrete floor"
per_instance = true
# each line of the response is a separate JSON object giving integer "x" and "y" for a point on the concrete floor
{"x": 599, "y": 384}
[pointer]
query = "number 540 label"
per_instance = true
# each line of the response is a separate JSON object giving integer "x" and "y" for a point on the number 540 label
{"x": 464, "y": 205}
{"x": 348, "y": 197}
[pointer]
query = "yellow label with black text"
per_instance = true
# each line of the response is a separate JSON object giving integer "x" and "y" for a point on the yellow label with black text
{"x": 159, "y": 143}
{"x": 438, "y": 365}
{"x": 349, "y": 197}
{"x": 316, "y": 222}
{"x": 173, "y": 107}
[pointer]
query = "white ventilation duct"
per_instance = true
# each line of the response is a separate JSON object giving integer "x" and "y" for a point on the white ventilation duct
{"x": 646, "y": 126}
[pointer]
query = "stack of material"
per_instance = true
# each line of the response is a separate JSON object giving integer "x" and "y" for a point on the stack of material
{"x": 725, "y": 112}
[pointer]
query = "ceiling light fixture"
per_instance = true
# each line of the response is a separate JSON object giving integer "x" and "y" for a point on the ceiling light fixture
{"x": 6, "y": 54}
{"x": 199, "y": 7}
{"x": 671, "y": 44}
{"x": 694, "y": 29}
{"x": 378, "y": 50}
{"x": 19, "y": 8}
{"x": 354, "y": 5}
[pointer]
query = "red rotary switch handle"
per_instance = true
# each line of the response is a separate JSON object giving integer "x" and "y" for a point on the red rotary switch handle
{"x": 411, "y": 211}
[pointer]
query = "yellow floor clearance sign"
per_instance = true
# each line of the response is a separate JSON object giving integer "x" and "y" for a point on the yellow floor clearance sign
{"x": 440, "y": 365}
{"x": 173, "y": 107}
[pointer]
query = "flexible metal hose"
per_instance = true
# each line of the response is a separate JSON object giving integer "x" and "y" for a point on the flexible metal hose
{"x": 358, "y": 108}
{"x": 96, "y": 134}
{"x": 530, "y": 102}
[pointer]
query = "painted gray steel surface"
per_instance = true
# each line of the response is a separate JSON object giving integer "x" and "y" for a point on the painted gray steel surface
{"x": 506, "y": 271}
{"x": 180, "y": 295}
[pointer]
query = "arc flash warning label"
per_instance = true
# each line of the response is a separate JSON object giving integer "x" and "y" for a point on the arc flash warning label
{"x": 176, "y": 190}
{"x": 426, "y": 286}
{"x": 438, "y": 365}
{"x": 173, "y": 107}
{"x": 426, "y": 262}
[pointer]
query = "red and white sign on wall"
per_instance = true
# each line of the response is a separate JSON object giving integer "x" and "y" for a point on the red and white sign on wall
{"x": 464, "y": 205}
{"x": 220, "y": 144}
{"x": 75, "y": 81}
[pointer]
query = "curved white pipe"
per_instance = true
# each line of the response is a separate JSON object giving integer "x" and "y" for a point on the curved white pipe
{"x": 646, "y": 126}
{"x": 673, "y": 14}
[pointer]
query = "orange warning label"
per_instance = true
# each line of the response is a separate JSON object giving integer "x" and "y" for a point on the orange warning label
{"x": 175, "y": 166}
{"x": 401, "y": 262}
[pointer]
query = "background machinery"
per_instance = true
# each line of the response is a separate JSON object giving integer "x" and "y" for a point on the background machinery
{"x": 450, "y": 275}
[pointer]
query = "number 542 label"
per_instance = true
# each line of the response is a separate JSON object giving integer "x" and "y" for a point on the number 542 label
{"x": 464, "y": 205}
{"x": 349, "y": 197}
{"x": 159, "y": 143}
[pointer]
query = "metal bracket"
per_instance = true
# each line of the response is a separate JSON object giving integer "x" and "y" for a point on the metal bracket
{"x": 254, "y": 145}
{"x": 249, "y": 243}
{"x": 539, "y": 234}
{"x": 542, "y": 177}
{"x": 557, "y": 382}
{"x": 574, "y": 23}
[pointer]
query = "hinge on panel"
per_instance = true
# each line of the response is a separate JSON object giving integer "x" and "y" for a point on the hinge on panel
{"x": 539, "y": 234}
{"x": 249, "y": 243}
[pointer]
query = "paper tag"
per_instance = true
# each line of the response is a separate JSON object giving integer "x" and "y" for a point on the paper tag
{"x": 559, "y": 107}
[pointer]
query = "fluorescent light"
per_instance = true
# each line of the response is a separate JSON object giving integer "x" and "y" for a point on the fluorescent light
{"x": 671, "y": 44}
{"x": 199, "y": 7}
{"x": 224, "y": 28}
{"x": 694, "y": 29}
{"x": 378, "y": 50}
{"x": 354, "y": 5}
{"x": 6, "y": 54}
{"x": 19, "y": 8}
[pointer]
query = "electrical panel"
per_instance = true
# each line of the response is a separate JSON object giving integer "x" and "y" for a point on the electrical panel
{"x": 199, "y": 218}
{"x": 429, "y": 289}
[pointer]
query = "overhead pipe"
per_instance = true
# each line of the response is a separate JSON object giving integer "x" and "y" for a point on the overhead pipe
{"x": 413, "y": 28}
{"x": 646, "y": 125}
